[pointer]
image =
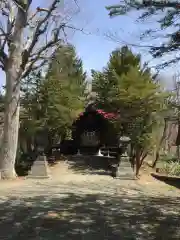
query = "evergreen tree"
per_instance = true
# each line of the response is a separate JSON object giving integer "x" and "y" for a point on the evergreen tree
{"x": 54, "y": 101}
{"x": 167, "y": 17}
{"x": 106, "y": 84}
{"x": 69, "y": 80}
{"x": 123, "y": 86}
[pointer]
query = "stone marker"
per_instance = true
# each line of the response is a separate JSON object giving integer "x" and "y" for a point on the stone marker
{"x": 40, "y": 168}
{"x": 125, "y": 170}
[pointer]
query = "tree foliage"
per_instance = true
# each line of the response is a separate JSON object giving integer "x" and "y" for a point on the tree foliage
{"x": 54, "y": 101}
{"x": 166, "y": 18}
{"x": 105, "y": 83}
{"x": 27, "y": 42}
{"x": 123, "y": 86}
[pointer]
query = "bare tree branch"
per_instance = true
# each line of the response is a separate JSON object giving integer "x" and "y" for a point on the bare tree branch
{"x": 37, "y": 56}
{"x": 36, "y": 50}
{"x": 27, "y": 47}
{"x": 40, "y": 30}
{"x": 34, "y": 55}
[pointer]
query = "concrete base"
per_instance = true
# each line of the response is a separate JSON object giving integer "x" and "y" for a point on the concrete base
{"x": 40, "y": 169}
{"x": 125, "y": 170}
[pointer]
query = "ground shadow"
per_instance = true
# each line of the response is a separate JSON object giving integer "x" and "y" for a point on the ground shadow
{"x": 172, "y": 181}
{"x": 89, "y": 216}
{"x": 90, "y": 164}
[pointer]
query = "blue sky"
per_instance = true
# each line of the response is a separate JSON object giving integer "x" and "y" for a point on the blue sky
{"x": 94, "y": 48}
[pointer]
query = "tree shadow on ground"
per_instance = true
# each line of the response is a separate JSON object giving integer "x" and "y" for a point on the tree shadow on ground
{"x": 90, "y": 164}
{"x": 89, "y": 216}
{"x": 172, "y": 181}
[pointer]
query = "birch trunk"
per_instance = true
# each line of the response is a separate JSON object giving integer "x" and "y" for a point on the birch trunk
{"x": 12, "y": 108}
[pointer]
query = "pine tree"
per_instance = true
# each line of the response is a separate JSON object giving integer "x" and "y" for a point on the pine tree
{"x": 52, "y": 102}
{"x": 67, "y": 76}
{"x": 123, "y": 86}
{"x": 167, "y": 17}
{"x": 106, "y": 83}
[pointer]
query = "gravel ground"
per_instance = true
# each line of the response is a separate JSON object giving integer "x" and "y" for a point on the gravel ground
{"x": 81, "y": 205}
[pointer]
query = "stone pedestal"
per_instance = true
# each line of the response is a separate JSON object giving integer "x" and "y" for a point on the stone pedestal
{"x": 40, "y": 168}
{"x": 125, "y": 170}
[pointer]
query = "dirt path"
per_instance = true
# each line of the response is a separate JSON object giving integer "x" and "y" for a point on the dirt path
{"x": 79, "y": 206}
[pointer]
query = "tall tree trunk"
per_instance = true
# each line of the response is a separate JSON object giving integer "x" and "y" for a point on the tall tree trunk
{"x": 160, "y": 144}
{"x": 178, "y": 139}
{"x": 12, "y": 105}
{"x": 138, "y": 162}
{"x": 132, "y": 157}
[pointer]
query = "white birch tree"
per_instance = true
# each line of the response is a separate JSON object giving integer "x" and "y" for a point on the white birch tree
{"x": 27, "y": 42}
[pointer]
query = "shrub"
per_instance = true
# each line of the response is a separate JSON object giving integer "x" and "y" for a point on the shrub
{"x": 24, "y": 162}
{"x": 168, "y": 158}
{"x": 171, "y": 168}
